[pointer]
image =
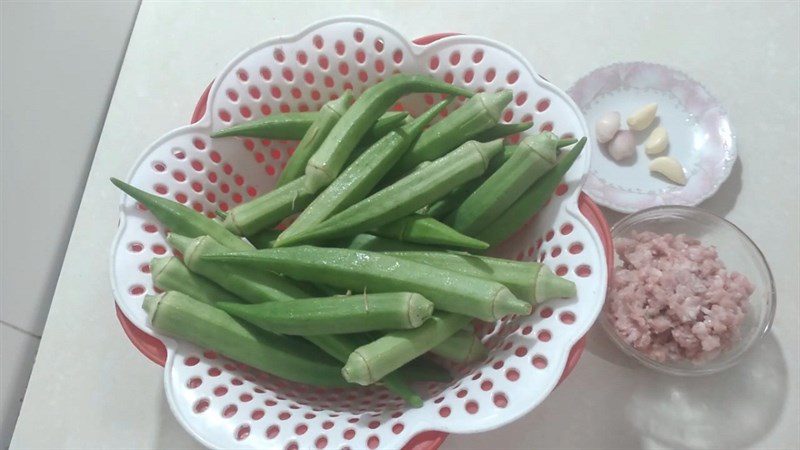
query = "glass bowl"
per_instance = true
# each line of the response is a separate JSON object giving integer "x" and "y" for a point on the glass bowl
{"x": 735, "y": 250}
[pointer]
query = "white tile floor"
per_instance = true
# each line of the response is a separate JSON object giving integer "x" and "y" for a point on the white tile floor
{"x": 59, "y": 66}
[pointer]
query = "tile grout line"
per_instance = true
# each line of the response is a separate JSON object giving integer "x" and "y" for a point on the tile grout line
{"x": 23, "y": 331}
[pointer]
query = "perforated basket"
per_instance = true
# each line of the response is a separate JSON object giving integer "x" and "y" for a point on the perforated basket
{"x": 227, "y": 405}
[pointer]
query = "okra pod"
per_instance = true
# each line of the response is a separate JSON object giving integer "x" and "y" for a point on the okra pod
{"x": 264, "y": 286}
{"x": 361, "y": 176}
{"x": 536, "y": 155}
{"x": 264, "y": 238}
{"x": 181, "y": 316}
{"x": 371, "y": 362}
{"x": 269, "y": 209}
{"x": 182, "y": 219}
{"x": 379, "y": 244}
{"x": 170, "y": 274}
{"x": 502, "y": 130}
{"x": 254, "y": 286}
{"x": 329, "y": 159}
{"x": 531, "y": 201}
{"x": 477, "y": 114}
{"x": 462, "y": 347}
{"x": 328, "y": 115}
{"x": 289, "y": 126}
{"x": 529, "y": 281}
{"x": 340, "y": 314}
{"x": 420, "y": 229}
{"x": 359, "y": 270}
{"x": 406, "y": 195}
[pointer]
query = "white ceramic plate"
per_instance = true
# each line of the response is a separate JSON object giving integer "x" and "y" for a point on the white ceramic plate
{"x": 699, "y": 132}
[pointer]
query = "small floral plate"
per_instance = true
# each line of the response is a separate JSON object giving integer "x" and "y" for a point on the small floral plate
{"x": 699, "y": 133}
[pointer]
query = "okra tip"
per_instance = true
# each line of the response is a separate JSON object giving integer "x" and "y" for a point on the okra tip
{"x": 496, "y": 102}
{"x": 419, "y": 309}
{"x": 550, "y": 285}
{"x": 505, "y": 303}
{"x": 356, "y": 370}
{"x": 316, "y": 178}
{"x": 150, "y": 305}
{"x": 179, "y": 242}
{"x": 159, "y": 264}
{"x": 132, "y": 191}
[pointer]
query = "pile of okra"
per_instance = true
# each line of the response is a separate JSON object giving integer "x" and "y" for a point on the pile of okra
{"x": 384, "y": 264}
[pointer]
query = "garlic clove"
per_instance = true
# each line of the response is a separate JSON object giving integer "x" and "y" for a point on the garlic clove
{"x": 643, "y": 117}
{"x": 657, "y": 141}
{"x": 607, "y": 126}
{"x": 670, "y": 168}
{"x": 622, "y": 146}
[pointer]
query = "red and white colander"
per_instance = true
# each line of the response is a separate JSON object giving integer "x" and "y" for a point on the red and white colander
{"x": 227, "y": 405}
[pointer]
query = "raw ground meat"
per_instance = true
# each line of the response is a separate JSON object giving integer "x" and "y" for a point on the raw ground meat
{"x": 672, "y": 299}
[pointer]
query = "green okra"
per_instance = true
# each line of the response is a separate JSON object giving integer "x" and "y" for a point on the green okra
{"x": 170, "y": 274}
{"x": 328, "y": 115}
{"x": 264, "y": 238}
{"x": 406, "y": 195}
{"x": 182, "y": 219}
{"x": 371, "y": 362}
{"x": 331, "y": 156}
{"x": 423, "y": 369}
{"x": 361, "y": 271}
{"x": 341, "y": 314}
{"x": 477, "y": 114}
{"x": 462, "y": 347}
{"x": 536, "y": 155}
{"x": 380, "y": 244}
{"x": 361, "y": 176}
{"x": 390, "y": 121}
{"x": 289, "y": 126}
{"x": 264, "y": 286}
{"x": 420, "y": 229}
{"x": 502, "y": 130}
{"x": 531, "y": 201}
{"x": 509, "y": 150}
{"x": 254, "y": 286}
{"x": 181, "y": 316}
{"x": 269, "y": 209}
{"x": 530, "y": 281}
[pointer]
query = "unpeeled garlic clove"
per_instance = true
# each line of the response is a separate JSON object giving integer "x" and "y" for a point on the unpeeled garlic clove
{"x": 657, "y": 141}
{"x": 607, "y": 126}
{"x": 670, "y": 168}
{"x": 643, "y": 117}
{"x": 622, "y": 146}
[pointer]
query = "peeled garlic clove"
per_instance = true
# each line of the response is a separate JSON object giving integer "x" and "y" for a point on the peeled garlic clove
{"x": 657, "y": 141}
{"x": 622, "y": 146}
{"x": 670, "y": 168}
{"x": 642, "y": 118}
{"x": 607, "y": 126}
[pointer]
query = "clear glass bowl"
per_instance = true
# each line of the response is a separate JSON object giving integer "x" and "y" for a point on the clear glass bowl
{"x": 736, "y": 251}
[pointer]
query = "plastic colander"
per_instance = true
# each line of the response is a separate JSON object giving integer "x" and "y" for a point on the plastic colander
{"x": 225, "y": 404}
